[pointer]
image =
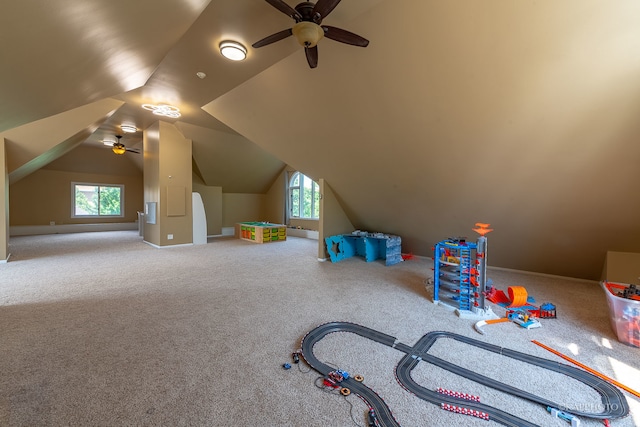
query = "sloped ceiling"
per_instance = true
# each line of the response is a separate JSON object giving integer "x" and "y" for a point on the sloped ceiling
{"x": 248, "y": 173}
{"x": 62, "y": 54}
{"x": 44, "y": 136}
{"x": 520, "y": 114}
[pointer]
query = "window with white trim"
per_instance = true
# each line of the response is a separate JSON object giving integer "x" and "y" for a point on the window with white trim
{"x": 96, "y": 200}
{"x": 304, "y": 197}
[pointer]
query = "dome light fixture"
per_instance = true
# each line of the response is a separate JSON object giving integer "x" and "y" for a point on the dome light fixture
{"x": 233, "y": 50}
{"x": 163, "y": 110}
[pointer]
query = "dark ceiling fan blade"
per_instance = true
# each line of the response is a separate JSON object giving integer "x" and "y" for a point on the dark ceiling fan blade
{"x": 312, "y": 56}
{"x": 344, "y": 36}
{"x": 273, "y": 38}
{"x": 132, "y": 150}
{"x": 324, "y": 7}
{"x": 286, "y": 9}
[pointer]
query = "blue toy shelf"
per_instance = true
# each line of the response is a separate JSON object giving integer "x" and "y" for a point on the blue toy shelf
{"x": 370, "y": 246}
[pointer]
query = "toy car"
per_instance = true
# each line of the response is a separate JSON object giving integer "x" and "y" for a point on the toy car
{"x": 523, "y": 318}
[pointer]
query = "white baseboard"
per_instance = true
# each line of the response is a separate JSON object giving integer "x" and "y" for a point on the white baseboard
{"x": 228, "y": 231}
{"x": 534, "y": 273}
{"x": 166, "y": 246}
{"x": 299, "y": 232}
{"x": 29, "y": 230}
{"x": 530, "y": 273}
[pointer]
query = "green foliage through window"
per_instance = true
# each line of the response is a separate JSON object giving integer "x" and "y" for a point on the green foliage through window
{"x": 304, "y": 197}
{"x": 97, "y": 200}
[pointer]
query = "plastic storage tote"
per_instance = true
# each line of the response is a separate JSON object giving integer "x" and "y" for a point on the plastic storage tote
{"x": 624, "y": 311}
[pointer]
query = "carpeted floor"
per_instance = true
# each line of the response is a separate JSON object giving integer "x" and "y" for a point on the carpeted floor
{"x": 101, "y": 329}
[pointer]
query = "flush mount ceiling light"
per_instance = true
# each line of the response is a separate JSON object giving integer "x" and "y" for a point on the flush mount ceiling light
{"x": 233, "y": 50}
{"x": 109, "y": 141}
{"x": 128, "y": 128}
{"x": 163, "y": 110}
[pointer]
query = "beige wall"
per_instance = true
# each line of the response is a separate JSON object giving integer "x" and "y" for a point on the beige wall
{"x": 333, "y": 219}
{"x": 242, "y": 207}
{"x": 168, "y": 183}
{"x": 622, "y": 267}
{"x": 45, "y": 195}
{"x": 4, "y": 203}
{"x": 151, "y": 145}
{"x": 274, "y": 200}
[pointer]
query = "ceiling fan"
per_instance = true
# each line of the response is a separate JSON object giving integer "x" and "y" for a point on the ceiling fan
{"x": 118, "y": 147}
{"x": 308, "y": 29}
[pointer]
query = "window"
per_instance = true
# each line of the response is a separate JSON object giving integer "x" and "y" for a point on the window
{"x": 304, "y": 197}
{"x": 95, "y": 200}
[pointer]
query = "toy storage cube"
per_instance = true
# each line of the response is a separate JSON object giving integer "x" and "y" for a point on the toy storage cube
{"x": 624, "y": 314}
{"x": 369, "y": 247}
{"x": 261, "y": 232}
{"x": 392, "y": 250}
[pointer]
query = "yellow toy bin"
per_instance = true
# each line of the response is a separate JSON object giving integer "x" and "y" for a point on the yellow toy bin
{"x": 624, "y": 310}
{"x": 261, "y": 232}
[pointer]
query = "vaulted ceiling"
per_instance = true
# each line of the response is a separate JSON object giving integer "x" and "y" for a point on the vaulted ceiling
{"x": 521, "y": 114}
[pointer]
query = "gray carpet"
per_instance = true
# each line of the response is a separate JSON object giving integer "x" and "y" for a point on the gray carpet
{"x": 101, "y": 329}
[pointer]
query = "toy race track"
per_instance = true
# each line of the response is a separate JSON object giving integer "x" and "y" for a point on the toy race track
{"x": 612, "y": 399}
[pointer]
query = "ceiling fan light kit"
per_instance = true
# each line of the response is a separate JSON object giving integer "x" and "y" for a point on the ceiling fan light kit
{"x": 307, "y": 33}
{"x": 308, "y": 29}
{"x": 118, "y": 148}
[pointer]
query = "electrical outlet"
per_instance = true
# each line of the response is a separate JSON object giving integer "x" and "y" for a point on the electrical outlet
{"x": 52, "y": 223}
{"x": 169, "y": 236}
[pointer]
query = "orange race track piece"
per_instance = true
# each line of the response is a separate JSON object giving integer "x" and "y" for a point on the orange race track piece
{"x": 517, "y": 296}
{"x": 588, "y": 369}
